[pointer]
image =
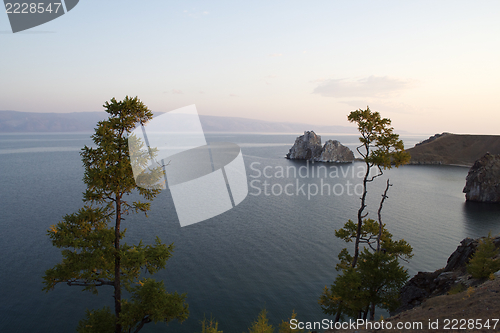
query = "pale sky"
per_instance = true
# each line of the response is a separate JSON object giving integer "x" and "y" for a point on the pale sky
{"x": 430, "y": 66}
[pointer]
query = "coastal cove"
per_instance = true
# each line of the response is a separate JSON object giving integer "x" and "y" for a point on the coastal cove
{"x": 276, "y": 251}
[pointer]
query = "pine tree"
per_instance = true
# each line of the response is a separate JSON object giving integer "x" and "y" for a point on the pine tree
{"x": 93, "y": 252}
{"x": 261, "y": 325}
{"x": 373, "y": 275}
{"x": 381, "y": 148}
{"x": 210, "y": 326}
{"x": 483, "y": 262}
{"x": 285, "y": 326}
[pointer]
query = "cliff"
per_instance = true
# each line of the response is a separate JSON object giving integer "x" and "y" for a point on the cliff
{"x": 454, "y": 149}
{"x": 308, "y": 147}
{"x": 483, "y": 180}
{"x": 429, "y": 284}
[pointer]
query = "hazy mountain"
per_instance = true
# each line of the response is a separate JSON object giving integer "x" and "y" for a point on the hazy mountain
{"x": 14, "y": 121}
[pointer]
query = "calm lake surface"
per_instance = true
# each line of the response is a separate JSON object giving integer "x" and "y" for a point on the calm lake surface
{"x": 274, "y": 250}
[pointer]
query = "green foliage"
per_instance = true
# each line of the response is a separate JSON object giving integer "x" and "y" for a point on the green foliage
{"x": 97, "y": 321}
{"x": 93, "y": 253}
{"x": 150, "y": 302}
{"x": 209, "y": 326}
{"x": 375, "y": 281}
{"x": 261, "y": 325}
{"x": 482, "y": 263}
{"x": 381, "y": 277}
{"x": 345, "y": 297}
{"x": 285, "y": 326}
{"x": 369, "y": 233}
{"x": 383, "y": 148}
{"x": 456, "y": 289}
{"x": 88, "y": 255}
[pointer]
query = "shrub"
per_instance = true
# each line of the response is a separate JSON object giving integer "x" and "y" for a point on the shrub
{"x": 482, "y": 263}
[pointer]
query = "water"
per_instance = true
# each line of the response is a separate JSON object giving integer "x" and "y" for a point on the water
{"x": 272, "y": 251}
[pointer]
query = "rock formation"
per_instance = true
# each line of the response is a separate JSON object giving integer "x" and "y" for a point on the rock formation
{"x": 430, "y": 284}
{"x": 483, "y": 180}
{"x": 334, "y": 151}
{"x": 308, "y": 147}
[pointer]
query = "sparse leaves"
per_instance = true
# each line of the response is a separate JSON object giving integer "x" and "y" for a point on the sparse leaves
{"x": 381, "y": 148}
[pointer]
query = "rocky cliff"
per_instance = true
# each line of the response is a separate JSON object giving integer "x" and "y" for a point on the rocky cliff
{"x": 429, "y": 284}
{"x": 483, "y": 180}
{"x": 308, "y": 147}
{"x": 459, "y": 149}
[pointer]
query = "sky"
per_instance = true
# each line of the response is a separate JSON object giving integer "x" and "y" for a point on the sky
{"x": 429, "y": 66}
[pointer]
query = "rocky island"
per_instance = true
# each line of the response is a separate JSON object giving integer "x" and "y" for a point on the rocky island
{"x": 308, "y": 147}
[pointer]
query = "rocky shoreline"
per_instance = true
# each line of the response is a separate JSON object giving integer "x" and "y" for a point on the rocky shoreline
{"x": 427, "y": 297}
{"x": 425, "y": 285}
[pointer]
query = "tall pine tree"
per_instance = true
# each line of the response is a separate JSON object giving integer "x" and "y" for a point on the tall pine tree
{"x": 93, "y": 252}
{"x": 373, "y": 275}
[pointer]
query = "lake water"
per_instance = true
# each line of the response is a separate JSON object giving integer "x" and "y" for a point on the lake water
{"x": 276, "y": 251}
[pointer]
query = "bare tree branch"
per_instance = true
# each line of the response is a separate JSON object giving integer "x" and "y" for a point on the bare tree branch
{"x": 87, "y": 284}
{"x": 144, "y": 320}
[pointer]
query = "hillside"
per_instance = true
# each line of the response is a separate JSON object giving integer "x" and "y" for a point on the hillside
{"x": 480, "y": 304}
{"x": 22, "y": 122}
{"x": 456, "y": 149}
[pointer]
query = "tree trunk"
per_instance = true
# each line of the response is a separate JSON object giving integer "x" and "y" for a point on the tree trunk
{"x": 384, "y": 196}
{"x": 360, "y": 216}
{"x": 337, "y": 317}
{"x": 365, "y": 313}
{"x": 118, "y": 290}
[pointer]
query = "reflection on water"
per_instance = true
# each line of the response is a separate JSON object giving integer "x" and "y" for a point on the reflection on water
{"x": 480, "y": 216}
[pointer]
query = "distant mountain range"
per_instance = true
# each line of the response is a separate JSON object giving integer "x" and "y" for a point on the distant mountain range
{"x": 20, "y": 122}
